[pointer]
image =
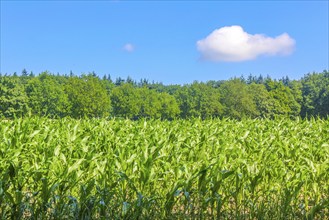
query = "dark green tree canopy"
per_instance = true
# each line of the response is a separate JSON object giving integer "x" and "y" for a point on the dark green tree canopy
{"x": 315, "y": 93}
{"x": 13, "y": 99}
{"x": 88, "y": 95}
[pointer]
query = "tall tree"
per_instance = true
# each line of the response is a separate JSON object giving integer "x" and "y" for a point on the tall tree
{"x": 13, "y": 99}
{"x": 262, "y": 100}
{"x": 125, "y": 101}
{"x": 47, "y": 96}
{"x": 88, "y": 97}
{"x": 284, "y": 102}
{"x": 150, "y": 104}
{"x": 169, "y": 106}
{"x": 237, "y": 100}
{"x": 199, "y": 100}
{"x": 315, "y": 92}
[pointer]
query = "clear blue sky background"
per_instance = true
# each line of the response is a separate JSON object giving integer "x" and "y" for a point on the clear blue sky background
{"x": 85, "y": 36}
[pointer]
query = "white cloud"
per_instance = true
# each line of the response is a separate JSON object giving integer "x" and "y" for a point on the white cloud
{"x": 234, "y": 44}
{"x": 129, "y": 47}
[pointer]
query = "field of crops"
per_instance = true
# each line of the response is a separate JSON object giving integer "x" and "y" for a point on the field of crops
{"x": 183, "y": 169}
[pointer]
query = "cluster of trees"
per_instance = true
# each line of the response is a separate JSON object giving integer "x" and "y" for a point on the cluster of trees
{"x": 90, "y": 96}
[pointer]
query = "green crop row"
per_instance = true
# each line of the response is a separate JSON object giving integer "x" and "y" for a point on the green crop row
{"x": 182, "y": 169}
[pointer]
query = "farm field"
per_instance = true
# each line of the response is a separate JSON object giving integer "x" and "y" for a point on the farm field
{"x": 152, "y": 169}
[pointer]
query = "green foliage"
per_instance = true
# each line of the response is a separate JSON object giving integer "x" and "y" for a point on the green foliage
{"x": 199, "y": 100}
{"x": 283, "y": 100}
{"x": 315, "y": 91}
{"x": 150, "y": 104}
{"x": 47, "y": 96}
{"x": 125, "y": 101}
{"x": 181, "y": 169}
{"x": 262, "y": 100}
{"x": 88, "y": 97}
{"x": 13, "y": 99}
{"x": 169, "y": 108}
{"x": 131, "y": 102}
{"x": 238, "y": 102}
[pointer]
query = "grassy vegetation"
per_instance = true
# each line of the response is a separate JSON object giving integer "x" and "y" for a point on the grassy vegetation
{"x": 123, "y": 169}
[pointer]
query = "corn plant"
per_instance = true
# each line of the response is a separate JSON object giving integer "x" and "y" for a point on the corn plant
{"x": 152, "y": 169}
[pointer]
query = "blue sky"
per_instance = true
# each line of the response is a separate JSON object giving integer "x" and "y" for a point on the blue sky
{"x": 166, "y": 41}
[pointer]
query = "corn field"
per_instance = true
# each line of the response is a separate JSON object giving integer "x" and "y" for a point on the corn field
{"x": 181, "y": 169}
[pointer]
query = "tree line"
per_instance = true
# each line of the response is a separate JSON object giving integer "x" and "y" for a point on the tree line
{"x": 87, "y": 95}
